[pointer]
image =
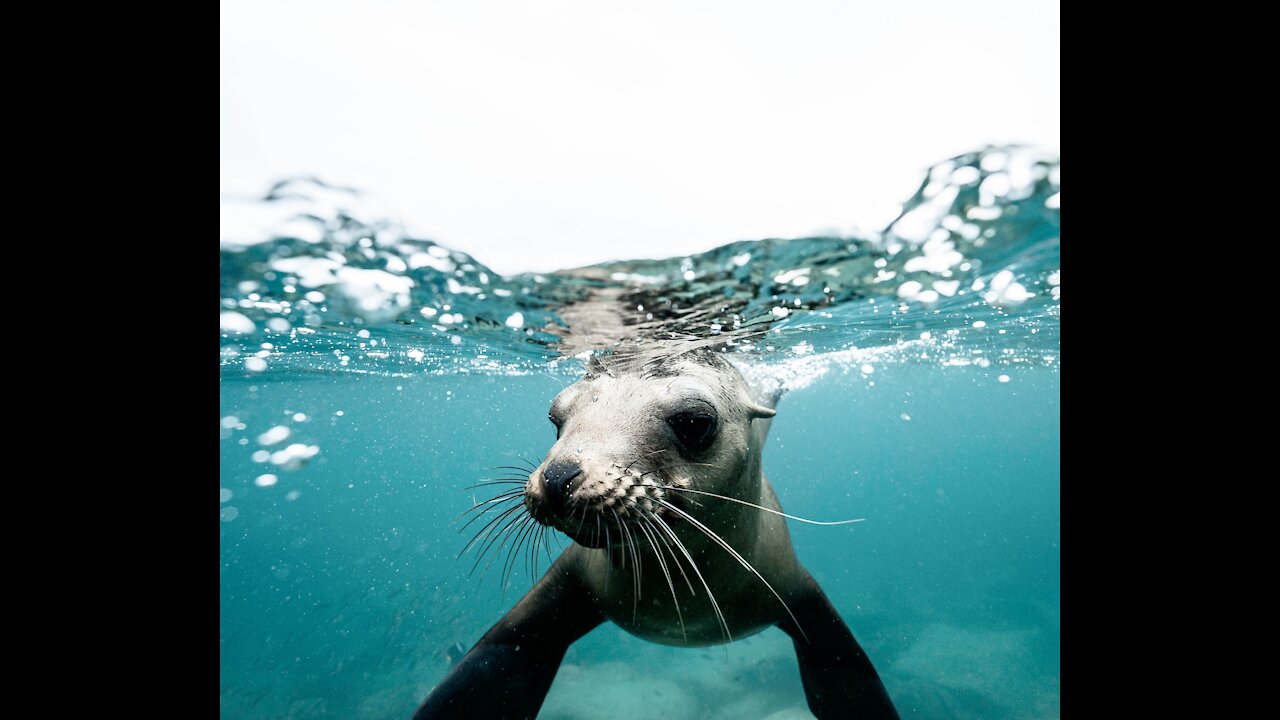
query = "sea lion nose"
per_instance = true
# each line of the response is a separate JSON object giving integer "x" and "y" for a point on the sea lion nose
{"x": 556, "y": 477}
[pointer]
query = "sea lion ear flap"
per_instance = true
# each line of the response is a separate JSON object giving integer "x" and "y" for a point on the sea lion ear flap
{"x": 755, "y": 411}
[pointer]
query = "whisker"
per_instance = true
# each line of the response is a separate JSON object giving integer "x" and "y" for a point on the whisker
{"x": 646, "y": 455}
{"x": 486, "y": 511}
{"x": 515, "y": 467}
{"x": 608, "y": 555}
{"x": 583, "y": 508}
{"x": 510, "y": 563}
{"x": 510, "y": 531}
{"x": 531, "y": 560}
{"x": 675, "y": 559}
{"x": 493, "y": 535}
{"x": 538, "y": 542}
{"x": 546, "y": 545}
{"x": 662, "y": 563}
{"x": 768, "y": 510}
{"x": 662, "y": 524}
{"x": 729, "y": 549}
{"x": 504, "y": 497}
{"x": 635, "y": 574}
{"x": 496, "y": 481}
{"x": 482, "y": 532}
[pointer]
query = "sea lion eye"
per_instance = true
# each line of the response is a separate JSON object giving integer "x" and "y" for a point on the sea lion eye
{"x": 695, "y": 431}
{"x": 555, "y": 421}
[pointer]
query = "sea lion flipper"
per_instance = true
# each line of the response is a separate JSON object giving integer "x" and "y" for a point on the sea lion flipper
{"x": 839, "y": 680}
{"x": 508, "y": 672}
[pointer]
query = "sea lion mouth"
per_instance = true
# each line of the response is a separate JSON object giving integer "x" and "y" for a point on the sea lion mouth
{"x": 596, "y": 529}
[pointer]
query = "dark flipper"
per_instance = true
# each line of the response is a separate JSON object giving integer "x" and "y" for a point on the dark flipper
{"x": 507, "y": 674}
{"x": 838, "y": 678}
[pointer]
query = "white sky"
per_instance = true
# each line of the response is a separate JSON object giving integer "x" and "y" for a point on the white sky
{"x": 550, "y": 134}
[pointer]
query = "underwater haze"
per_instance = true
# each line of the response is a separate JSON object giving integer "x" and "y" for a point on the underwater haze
{"x": 367, "y": 378}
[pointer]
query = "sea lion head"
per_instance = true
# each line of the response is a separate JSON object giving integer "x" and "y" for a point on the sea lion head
{"x": 630, "y": 433}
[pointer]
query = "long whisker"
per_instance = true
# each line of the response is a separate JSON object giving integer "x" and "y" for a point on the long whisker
{"x": 500, "y": 493}
{"x": 510, "y": 563}
{"x": 505, "y": 497}
{"x": 662, "y": 524}
{"x": 608, "y": 555}
{"x": 674, "y": 559}
{"x": 729, "y": 549}
{"x": 496, "y": 481}
{"x": 768, "y": 510}
{"x": 540, "y": 543}
{"x": 504, "y": 535}
{"x": 517, "y": 468}
{"x": 532, "y": 560}
{"x": 642, "y": 457}
{"x": 510, "y": 531}
{"x": 485, "y": 531}
{"x": 641, "y": 526}
{"x": 546, "y": 545}
{"x": 635, "y": 575}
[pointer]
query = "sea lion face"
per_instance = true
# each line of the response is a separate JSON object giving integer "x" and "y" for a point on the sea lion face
{"x": 626, "y": 439}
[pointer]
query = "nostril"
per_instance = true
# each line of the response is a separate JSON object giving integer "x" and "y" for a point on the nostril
{"x": 556, "y": 477}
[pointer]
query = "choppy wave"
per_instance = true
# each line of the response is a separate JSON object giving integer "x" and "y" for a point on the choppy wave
{"x": 967, "y": 274}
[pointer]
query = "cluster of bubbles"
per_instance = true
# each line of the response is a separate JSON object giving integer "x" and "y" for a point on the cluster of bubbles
{"x": 279, "y": 449}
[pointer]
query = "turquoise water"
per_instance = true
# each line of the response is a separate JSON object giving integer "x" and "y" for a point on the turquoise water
{"x": 351, "y": 422}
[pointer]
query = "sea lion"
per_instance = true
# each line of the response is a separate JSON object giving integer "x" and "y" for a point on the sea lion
{"x": 656, "y": 476}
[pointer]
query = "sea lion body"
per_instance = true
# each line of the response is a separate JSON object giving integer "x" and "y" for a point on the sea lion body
{"x": 679, "y": 539}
